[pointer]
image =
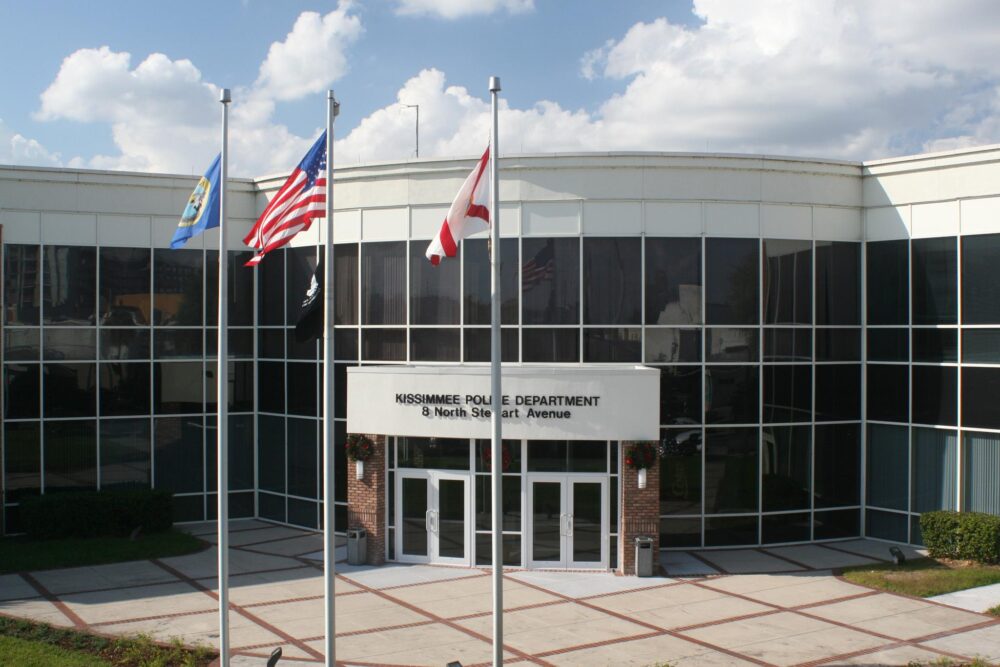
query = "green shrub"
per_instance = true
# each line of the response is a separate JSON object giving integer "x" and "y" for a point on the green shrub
{"x": 96, "y": 513}
{"x": 962, "y": 535}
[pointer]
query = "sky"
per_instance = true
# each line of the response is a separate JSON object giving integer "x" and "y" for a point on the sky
{"x": 135, "y": 85}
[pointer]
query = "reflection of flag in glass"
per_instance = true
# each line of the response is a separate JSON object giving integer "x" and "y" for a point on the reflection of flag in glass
{"x": 540, "y": 267}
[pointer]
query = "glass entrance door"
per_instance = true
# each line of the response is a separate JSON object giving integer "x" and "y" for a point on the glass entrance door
{"x": 434, "y": 510}
{"x": 568, "y": 517}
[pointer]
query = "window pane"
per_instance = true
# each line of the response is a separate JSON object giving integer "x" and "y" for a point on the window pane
{"x": 302, "y": 389}
{"x": 980, "y": 387}
{"x": 125, "y": 452}
{"x": 934, "y": 281}
{"x": 178, "y": 442}
{"x": 240, "y": 289}
{"x": 383, "y": 344}
{"x": 345, "y": 343}
{"x": 303, "y": 461}
{"x": 981, "y": 472}
{"x": 177, "y": 344}
{"x": 69, "y": 344}
{"x": 383, "y": 283}
{"x": 680, "y": 395}
{"x": 888, "y": 345}
{"x": 271, "y": 289}
{"x": 271, "y": 387}
{"x": 731, "y": 395}
{"x": 70, "y": 390}
{"x": 672, "y": 345}
{"x": 477, "y": 281}
{"x": 511, "y": 456}
{"x": 788, "y": 393}
{"x": 680, "y": 471}
{"x": 888, "y": 471}
{"x": 673, "y": 281}
{"x": 786, "y": 469}
{"x": 787, "y": 282}
{"x": 69, "y": 285}
{"x": 440, "y": 453}
{"x": 21, "y": 283}
{"x": 680, "y": 533}
{"x": 434, "y": 290}
{"x": 833, "y": 525}
{"x": 612, "y": 281}
{"x": 510, "y": 510}
{"x": 779, "y": 528}
{"x": 886, "y": 525}
{"x": 732, "y": 345}
{"x": 838, "y": 392}
{"x": 125, "y": 389}
{"x": 435, "y": 344}
{"x": 271, "y": 454}
{"x": 70, "y": 455}
{"x": 837, "y": 465}
{"x": 730, "y": 530}
{"x": 980, "y": 290}
{"x": 838, "y": 344}
{"x": 178, "y": 387}
{"x": 22, "y": 473}
{"x": 125, "y": 299}
{"x": 612, "y": 345}
{"x": 935, "y": 345}
{"x": 731, "y": 470}
{"x": 477, "y": 344}
{"x": 981, "y": 346}
{"x": 22, "y": 391}
{"x": 732, "y": 294}
{"x": 838, "y": 282}
{"x": 22, "y": 344}
{"x": 551, "y": 345}
{"x": 935, "y": 457}
{"x": 888, "y": 272}
{"x": 550, "y": 281}
{"x": 177, "y": 287}
{"x": 240, "y": 380}
{"x": 888, "y": 399}
{"x": 787, "y": 344}
{"x": 345, "y": 283}
{"x": 935, "y": 395}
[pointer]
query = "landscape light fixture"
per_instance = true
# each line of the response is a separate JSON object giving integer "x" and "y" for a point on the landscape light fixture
{"x": 898, "y": 558}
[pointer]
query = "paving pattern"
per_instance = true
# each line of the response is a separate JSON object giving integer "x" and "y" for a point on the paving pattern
{"x": 777, "y": 606}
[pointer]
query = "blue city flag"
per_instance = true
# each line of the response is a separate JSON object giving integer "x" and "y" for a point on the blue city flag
{"x": 202, "y": 210}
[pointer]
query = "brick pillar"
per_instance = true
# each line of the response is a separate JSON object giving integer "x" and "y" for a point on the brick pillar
{"x": 640, "y": 513}
{"x": 366, "y": 500}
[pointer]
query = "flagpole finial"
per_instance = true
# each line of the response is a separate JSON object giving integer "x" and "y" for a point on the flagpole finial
{"x": 336, "y": 104}
{"x": 494, "y": 84}
{"x": 224, "y": 96}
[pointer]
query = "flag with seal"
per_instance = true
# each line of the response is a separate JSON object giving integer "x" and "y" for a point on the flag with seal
{"x": 202, "y": 210}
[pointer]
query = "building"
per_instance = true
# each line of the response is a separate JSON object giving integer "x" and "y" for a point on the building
{"x": 826, "y": 337}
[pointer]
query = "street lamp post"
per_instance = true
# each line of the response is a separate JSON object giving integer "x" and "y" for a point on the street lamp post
{"x": 417, "y": 107}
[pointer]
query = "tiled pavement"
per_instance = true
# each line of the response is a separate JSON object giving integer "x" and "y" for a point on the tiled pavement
{"x": 777, "y": 606}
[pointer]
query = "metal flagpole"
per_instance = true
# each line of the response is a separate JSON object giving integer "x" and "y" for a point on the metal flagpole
{"x": 329, "y": 451}
{"x": 222, "y": 398}
{"x": 496, "y": 456}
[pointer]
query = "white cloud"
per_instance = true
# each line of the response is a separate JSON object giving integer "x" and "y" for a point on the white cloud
{"x": 18, "y": 149}
{"x": 456, "y": 9}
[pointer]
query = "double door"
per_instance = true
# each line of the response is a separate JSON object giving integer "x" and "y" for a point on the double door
{"x": 434, "y": 526}
{"x": 568, "y": 521}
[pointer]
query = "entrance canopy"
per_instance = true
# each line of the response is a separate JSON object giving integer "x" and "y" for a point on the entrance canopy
{"x": 539, "y": 402}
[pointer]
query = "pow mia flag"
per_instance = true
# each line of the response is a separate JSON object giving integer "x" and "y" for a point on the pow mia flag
{"x": 309, "y": 326}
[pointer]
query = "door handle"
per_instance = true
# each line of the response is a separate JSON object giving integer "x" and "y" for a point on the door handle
{"x": 428, "y": 522}
{"x": 569, "y": 525}
{"x": 434, "y": 521}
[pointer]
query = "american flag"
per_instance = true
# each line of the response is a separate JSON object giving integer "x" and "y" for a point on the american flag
{"x": 540, "y": 267}
{"x": 300, "y": 199}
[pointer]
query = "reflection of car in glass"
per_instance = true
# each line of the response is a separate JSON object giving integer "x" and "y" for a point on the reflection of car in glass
{"x": 123, "y": 316}
{"x": 681, "y": 442}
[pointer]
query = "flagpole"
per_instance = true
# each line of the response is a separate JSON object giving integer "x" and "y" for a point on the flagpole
{"x": 495, "y": 446}
{"x": 222, "y": 398}
{"x": 329, "y": 451}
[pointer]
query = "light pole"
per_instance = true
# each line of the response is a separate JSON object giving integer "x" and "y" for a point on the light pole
{"x": 417, "y": 107}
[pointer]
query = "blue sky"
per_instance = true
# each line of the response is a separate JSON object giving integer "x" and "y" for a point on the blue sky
{"x": 116, "y": 85}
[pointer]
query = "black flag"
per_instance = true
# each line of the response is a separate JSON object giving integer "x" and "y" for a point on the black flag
{"x": 309, "y": 326}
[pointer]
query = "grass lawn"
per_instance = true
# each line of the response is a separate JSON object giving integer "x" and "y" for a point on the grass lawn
{"x": 23, "y": 554}
{"x": 924, "y": 577}
{"x": 37, "y": 644}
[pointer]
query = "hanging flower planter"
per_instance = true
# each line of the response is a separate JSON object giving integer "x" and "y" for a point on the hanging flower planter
{"x": 641, "y": 456}
{"x": 359, "y": 448}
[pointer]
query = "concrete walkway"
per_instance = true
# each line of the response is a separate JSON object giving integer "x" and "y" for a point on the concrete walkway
{"x": 980, "y": 598}
{"x": 778, "y": 606}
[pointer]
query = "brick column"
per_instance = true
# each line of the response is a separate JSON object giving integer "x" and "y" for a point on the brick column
{"x": 366, "y": 500}
{"x": 640, "y": 513}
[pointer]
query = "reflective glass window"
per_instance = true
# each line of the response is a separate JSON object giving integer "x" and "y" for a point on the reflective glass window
{"x": 435, "y": 345}
{"x": 728, "y": 530}
{"x": 271, "y": 453}
{"x": 383, "y": 344}
{"x": 69, "y": 344}
{"x": 22, "y": 391}
{"x": 935, "y": 395}
{"x": 731, "y": 472}
{"x": 271, "y": 289}
{"x": 178, "y": 344}
{"x": 612, "y": 281}
{"x": 786, "y": 474}
{"x": 239, "y": 287}
{"x": 612, "y": 345}
{"x": 567, "y": 456}
{"x": 477, "y": 344}
{"x": 732, "y": 284}
{"x": 123, "y": 287}
{"x": 477, "y": 281}
{"x": 178, "y": 387}
{"x": 887, "y": 394}
{"x": 69, "y": 285}
{"x": 888, "y": 279}
{"x": 838, "y": 392}
{"x": 888, "y": 344}
{"x": 886, "y": 525}
{"x": 70, "y": 390}
{"x": 980, "y": 289}
{"x": 345, "y": 283}
{"x": 672, "y": 345}
{"x": 550, "y": 281}
{"x": 837, "y": 476}
{"x": 680, "y": 471}
{"x": 934, "y": 281}
{"x": 935, "y": 457}
{"x": 124, "y": 343}
{"x": 22, "y": 471}
{"x": 838, "y": 282}
{"x": 240, "y": 380}
{"x": 21, "y": 344}
{"x": 935, "y": 345}
{"x": 271, "y": 343}
{"x": 271, "y": 386}
{"x": 510, "y": 511}
{"x": 680, "y": 395}
{"x": 732, "y": 395}
{"x": 836, "y": 524}
{"x": 511, "y": 457}
{"x": 345, "y": 342}
{"x": 439, "y": 453}
{"x": 680, "y": 532}
{"x": 302, "y": 379}
{"x": 981, "y": 471}
{"x": 70, "y": 458}
{"x": 787, "y": 344}
{"x": 434, "y": 290}
{"x": 21, "y": 284}
{"x": 673, "y": 280}
{"x": 838, "y": 344}
{"x": 888, "y": 468}
{"x": 177, "y": 287}
{"x": 787, "y": 282}
{"x": 733, "y": 345}
{"x": 980, "y": 388}
{"x": 981, "y": 346}
{"x": 778, "y": 528}
{"x": 383, "y": 283}
{"x": 303, "y": 458}
{"x": 126, "y": 447}
{"x": 787, "y": 393}
{"x": 124, "y": 389}
{"x": 550, "y": 345}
